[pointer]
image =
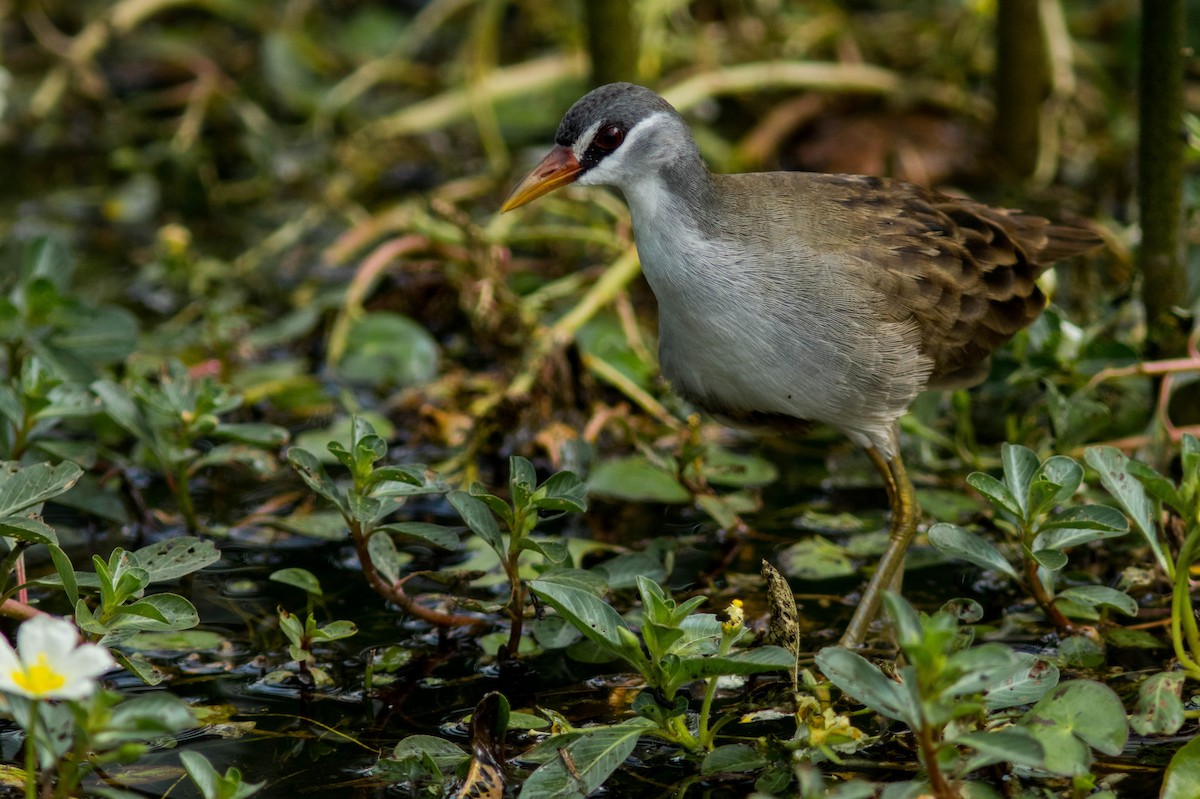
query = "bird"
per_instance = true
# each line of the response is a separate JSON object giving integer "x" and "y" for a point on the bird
{"x": 792, "y": 298}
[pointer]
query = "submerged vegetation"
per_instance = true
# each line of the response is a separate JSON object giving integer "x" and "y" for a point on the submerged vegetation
{"x": 368, "y": 490}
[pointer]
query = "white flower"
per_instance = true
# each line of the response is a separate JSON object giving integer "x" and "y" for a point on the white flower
{"x": 50, "y": 663}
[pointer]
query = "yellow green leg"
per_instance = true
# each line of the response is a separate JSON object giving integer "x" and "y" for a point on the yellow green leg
{"x": 888, "y": 574}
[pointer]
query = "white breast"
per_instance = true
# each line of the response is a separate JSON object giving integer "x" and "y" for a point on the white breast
{"x": 773, "y": 335}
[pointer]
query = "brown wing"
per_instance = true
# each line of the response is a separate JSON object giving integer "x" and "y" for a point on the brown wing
{"x": 964, "y": 272}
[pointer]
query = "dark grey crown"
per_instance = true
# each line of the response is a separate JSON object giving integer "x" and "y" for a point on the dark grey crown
{"x": 619, "y": 104}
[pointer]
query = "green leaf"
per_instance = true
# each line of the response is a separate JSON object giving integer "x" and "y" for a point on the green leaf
{"x": 26, "y": 529}
{"x": 996, "y": 492}
{"x": 22, "y": 487}
{"x": 552, "y": 550}
{"x": 1159, "y": 705}
{"x": 48, "y": 258}
{"x": 635, "y": 479}
{"x": 956, "y": 542}
{"x": 593, "y": 756}
{"x": 1182, "y": 779}
{"x": 121, "y": 408}
{"x": 437, "y": 535}
{"x": 257, "y": 434}
{"x": 721, "y": 467}
{"x": 445, "y": 754}
{"x": 172, "y": 558}
{"x": 1055, "y": 482}
{"x": 1086, "y": 709}
{"x": 1012, "y": 745}
{"x": 815, "y": 558}
{"x": 384, "y": 348}
{"x": 1027, "y": 680}
{"x": 1020, "y": 465}
{"x": 1113, "y": 468}
{"x": 590, "y": 615}
{"x": 563, "y": 491}
{"x": 385, "y": 557}
{"x": 1102, "y": 596}
{"x": 412, "y": 475}
{"x": 1050, "y": 559}
{"x": 313, "y": 473}
{"x": 746, "y": 661}
{"x": 298, "y": 578}
{"x": 1080, "y": 524}
{"x": 859, "y": 678}
{"x": 479, "y": 518}
{"x": 157, "y": 612}
{"x": 66, "y": 573}
{"x": 1081, "y": 652}
{"x": 732, "y": 758}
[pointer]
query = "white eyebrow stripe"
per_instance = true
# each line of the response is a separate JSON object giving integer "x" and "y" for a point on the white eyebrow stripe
{"x": 580, "y": 145}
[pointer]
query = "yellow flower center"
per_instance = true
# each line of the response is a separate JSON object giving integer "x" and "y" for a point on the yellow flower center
{"x": 39, "y": 679}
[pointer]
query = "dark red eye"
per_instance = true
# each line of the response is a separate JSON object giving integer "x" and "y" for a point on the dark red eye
{"x": 609, "y": 138}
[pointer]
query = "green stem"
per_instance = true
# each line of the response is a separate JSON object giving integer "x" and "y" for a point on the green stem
{"x": 183, "y": 495}
{"x": 31, "y": 751}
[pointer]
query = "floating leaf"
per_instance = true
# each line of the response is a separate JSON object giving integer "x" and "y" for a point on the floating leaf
{"x": 815, "y": 558}
{"x": 1080, "y": 710}
{"x": 1159, "y": 704}
{"x": 637, "y": 480}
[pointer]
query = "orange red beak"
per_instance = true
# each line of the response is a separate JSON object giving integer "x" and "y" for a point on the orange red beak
{"x": 558, "y": 168}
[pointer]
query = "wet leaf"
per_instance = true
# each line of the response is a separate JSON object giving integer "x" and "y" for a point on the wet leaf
{"x": 637, "y": 480}
{"x": 1101, "y": 596}
{"x": 1027, "y": 680}
{"x": 384, "y": 348}
{"x": 25, "y": 529}
{"x": 552, "y": 550}
{"x": 1050, "y": 559}
{"x": 1081, "y": 652}
{"x": 388, "y": 561}
{"x": 622, "y": 571}
{"x": 589, "y": 614}
{"x": 732, "y": 758}
{"x": 1136, "y": 639}
{"x": 746, "y": 661}
{"x": 174, "y": 557}
{"x": 584, "y": 764}
{"x": 1012, "y": 745}
{"x": 298, "y": 578}
{"x": 479, "y": 518}
{"x": 22, "y": 487}
{"x": 1020, "y": 465}
{"x": 736, "y": 470}
{"x": 1159, "y": 705}
{"x": 996, "y": 492}
{"x": 1080, "y": 710}
{"x": 859, "y": 678}
{"x": 425, "y": 532}
{"x": 1182, "y": 779}
{"x": 957, "y": 542}
{"x": 313, "y": 473}
{"x": 1055, "y": 482}
{"x": 1113, "y": 467}
{"x": 815, "y": 558}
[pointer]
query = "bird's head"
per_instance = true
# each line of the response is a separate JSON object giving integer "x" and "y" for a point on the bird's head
{"x": 615, "y": 135}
